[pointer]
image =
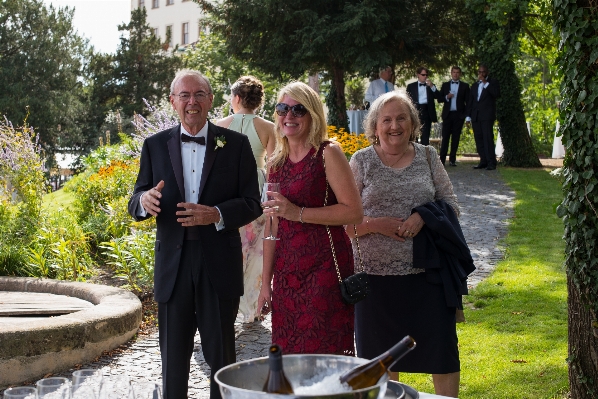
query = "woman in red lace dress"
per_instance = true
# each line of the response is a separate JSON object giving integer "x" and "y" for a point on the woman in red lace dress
{"x": 299, "y": 280}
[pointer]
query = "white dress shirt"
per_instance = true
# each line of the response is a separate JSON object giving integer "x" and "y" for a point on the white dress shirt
{"x": 377, "y": 88}
{"x": 454, "y": 89}
{"x": 423, "y": 93}
{"x": 192, "y": 156}
{"x": 480, "y": 88}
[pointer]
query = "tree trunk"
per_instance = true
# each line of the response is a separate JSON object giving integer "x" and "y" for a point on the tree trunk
{"x": 335, "y": 100}
{"x": 583, "y": 347}
{"x": 516, "y": 140}
{"x": 314, "y": 82}
{"x": 498, "y": 55}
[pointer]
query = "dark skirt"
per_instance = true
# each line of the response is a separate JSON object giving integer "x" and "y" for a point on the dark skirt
{"x": 408, "y": 305}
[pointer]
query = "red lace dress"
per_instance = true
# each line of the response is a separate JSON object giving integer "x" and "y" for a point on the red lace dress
{"x": 308, "y": 315}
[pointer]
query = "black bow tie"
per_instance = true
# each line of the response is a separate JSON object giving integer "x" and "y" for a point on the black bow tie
{"x": 422, "y": 84}
{"x": 455, "y": 83}
{"x": 185, "y": 138}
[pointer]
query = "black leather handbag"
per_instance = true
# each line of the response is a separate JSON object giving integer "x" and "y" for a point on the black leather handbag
{"x": 357, "y": 286}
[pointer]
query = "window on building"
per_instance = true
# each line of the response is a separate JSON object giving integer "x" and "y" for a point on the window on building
{"x": 185, "y": 33}
{"x": 169, "y": 2}
{"x": 155, "y": 3}
{"x": 141, "y": 3}
{"x": 169, "y": 35}
{"x": 155, "y": 30}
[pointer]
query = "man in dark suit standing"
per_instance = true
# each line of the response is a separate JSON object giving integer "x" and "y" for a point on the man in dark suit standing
{"x": 454, "y": 96}
{"x": 423, "y": 92}
{"x": 200, "y": 182}
{"x": 481, "y": 112}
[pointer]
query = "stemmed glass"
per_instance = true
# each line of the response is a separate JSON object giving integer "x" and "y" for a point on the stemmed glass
{"x": 270, "y": 187}
{"x": 53, "y": 388}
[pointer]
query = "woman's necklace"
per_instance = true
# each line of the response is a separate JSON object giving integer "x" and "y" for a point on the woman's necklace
{"x": 397, "y": 161}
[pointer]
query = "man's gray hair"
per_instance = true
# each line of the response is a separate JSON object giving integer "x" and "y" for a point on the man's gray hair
{"x": 384, "y": 68}
{"x": 189, "y": 72}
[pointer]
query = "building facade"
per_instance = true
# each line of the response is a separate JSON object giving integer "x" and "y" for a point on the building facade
{"x": 182, "y": 18}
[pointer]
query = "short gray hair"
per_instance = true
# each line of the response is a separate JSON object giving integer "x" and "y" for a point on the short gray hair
{"x": 369, "y": 124}
{"x": 188, "y": 72}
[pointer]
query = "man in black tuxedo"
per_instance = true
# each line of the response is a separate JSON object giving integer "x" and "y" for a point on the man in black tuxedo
{"x": 200, "y": 182}
{"x": 454, "y": 96}
{"x": 423, "y": 92}
{"x": 481, "y": 112}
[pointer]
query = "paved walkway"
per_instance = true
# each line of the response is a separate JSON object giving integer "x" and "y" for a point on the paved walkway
{"x": 486, "y": 204}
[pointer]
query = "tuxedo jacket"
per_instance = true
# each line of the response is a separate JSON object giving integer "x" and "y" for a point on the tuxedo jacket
{"x": 483, "y": 109}
{"x": 413, "y": 91}
{"x": 462, "y": 99}
{"x": 228, "y": 181}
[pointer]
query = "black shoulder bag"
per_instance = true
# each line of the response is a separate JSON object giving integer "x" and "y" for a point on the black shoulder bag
{"x": 357, "y": 286}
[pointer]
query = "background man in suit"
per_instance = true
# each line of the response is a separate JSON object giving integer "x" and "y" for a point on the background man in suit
{"x": 380, "y": 86}
{"x": 481, "y": 112}
{"x": 454, "y": 94}
{"x": 423, "y": 92}
{"x": 199, "y": 181}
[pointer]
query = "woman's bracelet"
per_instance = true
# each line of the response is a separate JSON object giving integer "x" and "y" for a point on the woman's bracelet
{"x": 367, "y": 226}
{"x": 301, "y": 215}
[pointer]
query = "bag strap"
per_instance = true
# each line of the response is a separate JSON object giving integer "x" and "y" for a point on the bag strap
{"x": 338, "y": 273}
{"x": 430, "y": 165}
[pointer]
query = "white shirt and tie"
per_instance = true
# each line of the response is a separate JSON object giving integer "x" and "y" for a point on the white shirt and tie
{"x": 454, "y": 90}
{"x": 192, "y": 156}
{"x": 377, "y": 88}
{"x": 423, "y": 93}
{"x": 481, "y": 86}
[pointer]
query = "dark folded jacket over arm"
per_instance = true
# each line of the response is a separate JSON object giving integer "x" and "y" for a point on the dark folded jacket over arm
{"x": 441, "y": 250}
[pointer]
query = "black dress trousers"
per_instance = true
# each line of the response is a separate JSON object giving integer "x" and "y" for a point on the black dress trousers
{"x": 194, "y": 305}
{"x": 451, "y": 132}
{"x": 426, "y": 122}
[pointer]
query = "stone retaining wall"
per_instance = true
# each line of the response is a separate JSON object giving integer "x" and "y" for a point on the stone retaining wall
{"x": 28, "y": 351}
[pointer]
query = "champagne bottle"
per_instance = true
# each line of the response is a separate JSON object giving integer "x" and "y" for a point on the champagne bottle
{"x": 276, "y": 382}
{"x": 369, "y": 374}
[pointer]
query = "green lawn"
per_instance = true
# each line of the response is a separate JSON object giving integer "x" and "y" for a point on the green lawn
{"x": 514, "y": 343}
{"x": 58, "y": 198}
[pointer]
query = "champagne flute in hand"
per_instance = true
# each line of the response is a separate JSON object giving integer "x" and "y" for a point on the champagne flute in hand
{"x": 270, "y": 187}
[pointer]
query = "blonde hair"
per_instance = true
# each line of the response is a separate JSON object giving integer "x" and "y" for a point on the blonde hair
{"x": 369, "y": 124}
{"x": 318, "y": 131}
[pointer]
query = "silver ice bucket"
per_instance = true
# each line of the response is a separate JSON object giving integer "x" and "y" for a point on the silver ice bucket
{"x": 244, "y": 380}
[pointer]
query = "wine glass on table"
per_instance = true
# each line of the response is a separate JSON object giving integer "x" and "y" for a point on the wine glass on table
{"x": 90, "y": 378}
{"x": 116, "y": 387}
{"x": 272, "y": 188}
{"x": 53, "y": 388}
{"x": 146, "y": 390}
{"x": 21, "y": 393}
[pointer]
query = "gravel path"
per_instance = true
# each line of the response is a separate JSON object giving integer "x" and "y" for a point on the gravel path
{"x": 486, "y": 204}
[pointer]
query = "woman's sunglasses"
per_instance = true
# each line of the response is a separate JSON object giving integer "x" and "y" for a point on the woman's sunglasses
{"x": 298, "y": 110}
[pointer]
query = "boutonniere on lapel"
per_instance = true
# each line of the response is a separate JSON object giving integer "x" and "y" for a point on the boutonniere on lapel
{"x": 220, "y": 142}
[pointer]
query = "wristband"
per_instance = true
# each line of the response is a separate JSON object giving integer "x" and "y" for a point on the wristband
{"x": 301, "y": 215}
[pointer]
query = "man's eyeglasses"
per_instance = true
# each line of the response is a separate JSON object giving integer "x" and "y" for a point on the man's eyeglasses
{"x": 424, "y": 74}
{"x": 298, "y": 110}
{"x": 200, "y": 96}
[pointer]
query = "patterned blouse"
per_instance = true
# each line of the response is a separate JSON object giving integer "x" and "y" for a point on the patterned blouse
{"x": 395, "y": 192}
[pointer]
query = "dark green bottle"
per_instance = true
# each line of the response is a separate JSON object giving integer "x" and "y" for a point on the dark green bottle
{"x": 276, "y": 382}
{"x": 369, "y": 374}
